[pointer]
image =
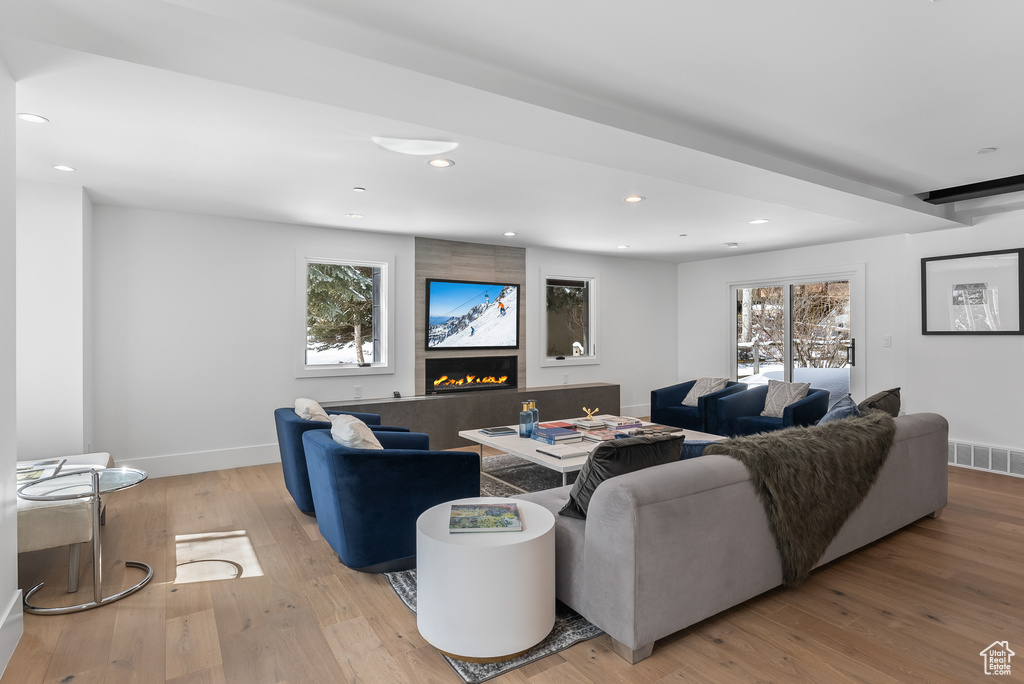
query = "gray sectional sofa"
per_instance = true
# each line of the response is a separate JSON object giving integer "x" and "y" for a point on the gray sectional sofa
{"x": 668, "y": 546}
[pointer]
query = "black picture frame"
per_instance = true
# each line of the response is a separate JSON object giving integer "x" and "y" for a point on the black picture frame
{"x": 980, "y": 293}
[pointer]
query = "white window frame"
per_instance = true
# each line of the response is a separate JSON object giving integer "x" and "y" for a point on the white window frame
{"x": 590, "y": 359}
{"x": 387, "y": 319}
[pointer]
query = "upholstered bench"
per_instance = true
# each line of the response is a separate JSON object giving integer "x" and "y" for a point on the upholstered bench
{"x": 46, "y": 524}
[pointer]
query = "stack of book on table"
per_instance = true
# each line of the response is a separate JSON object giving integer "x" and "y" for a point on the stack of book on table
{"x": 619, "y": 422}
{"x": 552, "y": 433}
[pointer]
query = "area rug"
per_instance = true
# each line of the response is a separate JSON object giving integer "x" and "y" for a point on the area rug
{"x": 522, "y": 475}
{"x": 570, "y": 628}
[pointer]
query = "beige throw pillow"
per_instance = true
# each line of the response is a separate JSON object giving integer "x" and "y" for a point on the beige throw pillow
{"x": 782, "y": 394}
{"x": 351, "y": 432}
{"x": 307, "y": 409}
{"x": 705, "y": 385}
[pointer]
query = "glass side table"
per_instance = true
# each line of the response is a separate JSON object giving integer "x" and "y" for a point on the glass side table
{"x": 90, "y": 484}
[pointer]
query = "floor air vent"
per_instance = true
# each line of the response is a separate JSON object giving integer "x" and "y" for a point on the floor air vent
{"x": 988, "y": 458}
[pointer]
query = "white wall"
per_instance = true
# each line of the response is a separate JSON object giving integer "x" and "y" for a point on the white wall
{"x": 636, "y": 340}
{"x": 707, "y": 322}
{"x": 11, "y": 625}
{"x": 195, "y": 333}
{"x": 975, "y": 381}
{"x": 972, "y": 381}
{"x": 51, "y": 261}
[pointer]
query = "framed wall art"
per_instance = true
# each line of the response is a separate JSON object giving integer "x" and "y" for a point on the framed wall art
{"x": 972, "y": 294}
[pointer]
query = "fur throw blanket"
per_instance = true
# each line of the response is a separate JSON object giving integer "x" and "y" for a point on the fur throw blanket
{"x": 810, "y": 479}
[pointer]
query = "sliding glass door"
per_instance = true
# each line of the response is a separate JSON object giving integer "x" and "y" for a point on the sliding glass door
{"x": 797, "y": 331}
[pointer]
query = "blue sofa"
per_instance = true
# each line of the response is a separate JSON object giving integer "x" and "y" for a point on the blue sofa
{"x": 367, "y": 500}
{"x": 667, "y": 407}
{"x": 740, "y": 413}
{"x": 290, "y": 429}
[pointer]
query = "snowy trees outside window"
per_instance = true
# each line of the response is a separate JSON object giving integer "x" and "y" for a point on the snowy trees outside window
{"x": 818, "y": 326}
{"x": 343, "y": 313}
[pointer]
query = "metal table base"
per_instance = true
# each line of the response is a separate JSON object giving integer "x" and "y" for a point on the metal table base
{"x": 97, "y": 566}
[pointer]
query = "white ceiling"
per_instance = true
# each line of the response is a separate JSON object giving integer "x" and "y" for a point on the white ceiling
{"x": 825, "y": 117}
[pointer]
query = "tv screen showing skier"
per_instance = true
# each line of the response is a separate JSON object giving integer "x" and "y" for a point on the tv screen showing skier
{"x": 472, "y": 315}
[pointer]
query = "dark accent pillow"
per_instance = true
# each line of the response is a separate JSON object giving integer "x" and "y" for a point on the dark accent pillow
{"x": 617, "y": 457}
{"x": 844, "y": 408}
{"x": 888, "y": 401}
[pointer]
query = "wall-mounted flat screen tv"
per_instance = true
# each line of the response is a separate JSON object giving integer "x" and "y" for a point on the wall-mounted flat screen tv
{"x": 463, "y": 314}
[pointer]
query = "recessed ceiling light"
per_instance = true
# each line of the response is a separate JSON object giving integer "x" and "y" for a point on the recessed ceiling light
{"x": 758, "y": 221}
{"x": 622, "y": 247}
{"x": 409, "y": 146}
{"x": 732, "y": 245}
{"x": 62, "y": 167}
{"x": 633, "y": 199}
{"x": 509, "y": 234}
{"x": 353, "y": 216}
{"x": 441, "y": 163}
{"x": 33, "y": 118}
{"x": 986, "y": 150}
{"x": 358, "y": 189}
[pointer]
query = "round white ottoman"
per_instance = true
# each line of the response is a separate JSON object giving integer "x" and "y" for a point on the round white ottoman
{"x": 485, "y": 596}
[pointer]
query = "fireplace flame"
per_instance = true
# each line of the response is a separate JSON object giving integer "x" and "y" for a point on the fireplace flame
{"x": 445, "y": 381}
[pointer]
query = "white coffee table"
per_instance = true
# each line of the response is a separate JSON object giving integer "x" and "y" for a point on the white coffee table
{"x": 527, "y": 448}
{"x": 485, "y": 596}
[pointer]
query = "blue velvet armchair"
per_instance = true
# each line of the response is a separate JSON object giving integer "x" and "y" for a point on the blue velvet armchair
{"x": 293, "y": 459}
{"x": 740, "y": 413}
{"x": 368, "y": 500}
{"x": 667, "y": 407}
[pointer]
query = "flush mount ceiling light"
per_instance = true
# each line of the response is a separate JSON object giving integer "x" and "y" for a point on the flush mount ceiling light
{"x": 759, "y": 221}
{"x": 358, "y": 189}
{"x": 622, "y": 247}
{"x": 62, "y": 167}
{"x": 33, "y": 118}
{"x": 633, "y": 199}
{"x": 509, "y": 234}
{"x": 409, "y": 146}
{"x": 353, "y": 216}
{"x": 441, "y": 163}
{"x": 732, "y": 245}
{"x": 986, "y": 150}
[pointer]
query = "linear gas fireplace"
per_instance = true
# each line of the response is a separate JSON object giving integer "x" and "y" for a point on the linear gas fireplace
{"x": 471, "y": 373}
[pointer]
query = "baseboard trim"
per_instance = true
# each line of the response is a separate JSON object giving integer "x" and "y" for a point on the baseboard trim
{"x": 203, "y": 461}
{"x": 11, "y": 628}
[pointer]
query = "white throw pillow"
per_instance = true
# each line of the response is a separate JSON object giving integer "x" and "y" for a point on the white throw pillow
{"x": 307, "y": 409}
{"x": 704, "y": 386}
{"x": 782, "y": 394}
{"x": 351, "y": 432}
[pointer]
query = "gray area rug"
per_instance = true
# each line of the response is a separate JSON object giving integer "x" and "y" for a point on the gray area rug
{"x": 570, "y": 628}
{"x": 519, "y": 474}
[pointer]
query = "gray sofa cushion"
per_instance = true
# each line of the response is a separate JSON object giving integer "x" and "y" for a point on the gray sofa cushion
{"x": 888, "y": 401}
{"x": 617, "y": 457}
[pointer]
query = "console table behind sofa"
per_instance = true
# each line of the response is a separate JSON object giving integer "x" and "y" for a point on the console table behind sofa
{"x": 442, "y": 416}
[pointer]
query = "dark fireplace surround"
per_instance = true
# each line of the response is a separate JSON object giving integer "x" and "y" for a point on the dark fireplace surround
{"x": 470, "y": 373}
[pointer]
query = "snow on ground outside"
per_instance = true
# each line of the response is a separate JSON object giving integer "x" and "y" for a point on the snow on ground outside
{"x": 489, "y": 328}
{"x": 346, "y": 354}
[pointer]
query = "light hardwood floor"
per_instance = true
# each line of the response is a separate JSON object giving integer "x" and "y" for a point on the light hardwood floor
{"x": 917, "y": 606}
